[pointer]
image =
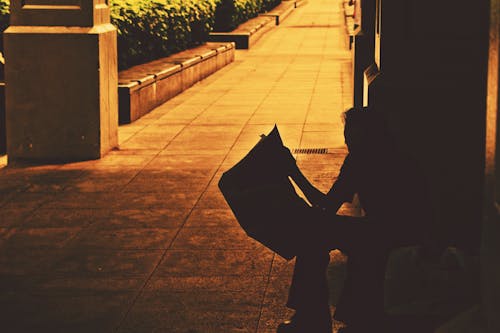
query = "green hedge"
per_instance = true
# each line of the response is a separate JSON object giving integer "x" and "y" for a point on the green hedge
{"x": 231, "y": 13}
{"x": 267, "y": 5}
{"x": 151, "y": 29}
{"x": 4, "y": 19}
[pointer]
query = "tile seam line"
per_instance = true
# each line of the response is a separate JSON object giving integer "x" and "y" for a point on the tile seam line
{"x": 261, "y": 307}
{"x": 169, "y": 143}
{"x": 310, "y": 102}
{"x": 195, "y": 118}
{"x": 195, "y": 204}
{"x": 268, "y": 280}
{"x": 264, "y": 294}
{"x": 139, "y": 293}
{"x": 314, "y": 90}
{"x": 197, "y": 201}
{"x": 11, "y": 227}
{"x": 225, "y": 158}
{"x": 274, "y": 255}
{"x": 25, "y": 190}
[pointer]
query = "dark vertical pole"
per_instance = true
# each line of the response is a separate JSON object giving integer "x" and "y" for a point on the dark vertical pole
{"x": 490, "y": 247}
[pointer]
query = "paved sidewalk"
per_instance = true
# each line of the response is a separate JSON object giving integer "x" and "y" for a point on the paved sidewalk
{"x": 142, "y": 240}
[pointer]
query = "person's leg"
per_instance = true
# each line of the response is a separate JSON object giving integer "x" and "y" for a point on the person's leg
{"x": 309, "y": 288}
{"x": 308, "y": 294}
{"x": 362, "y": 300}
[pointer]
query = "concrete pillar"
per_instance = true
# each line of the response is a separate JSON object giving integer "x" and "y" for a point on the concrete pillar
{"x": 61, "y": 81}
{"x": 364, "y": 44}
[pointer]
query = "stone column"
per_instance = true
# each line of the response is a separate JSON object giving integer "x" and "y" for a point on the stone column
{"x": 61, "y": 81}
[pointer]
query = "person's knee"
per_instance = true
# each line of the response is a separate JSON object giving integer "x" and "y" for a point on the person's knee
{"x": 314, "y": 257}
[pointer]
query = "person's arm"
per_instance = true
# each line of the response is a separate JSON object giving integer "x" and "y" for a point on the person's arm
{"x": 315, "y": 196}
{"x": 337, "y": 196}
{"x": 343, "y": 189}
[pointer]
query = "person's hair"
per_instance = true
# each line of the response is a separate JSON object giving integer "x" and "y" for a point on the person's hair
{"x": 369, "y": 121}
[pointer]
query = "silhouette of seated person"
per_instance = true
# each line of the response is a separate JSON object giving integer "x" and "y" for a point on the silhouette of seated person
{"x": 393, "y": 196}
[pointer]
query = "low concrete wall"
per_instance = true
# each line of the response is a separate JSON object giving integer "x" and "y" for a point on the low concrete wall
{"x": 282, "y": 11}
{"x": 249, "y": 33}
{"x": 142, "y": 88}
{"x": 246, "y": 34}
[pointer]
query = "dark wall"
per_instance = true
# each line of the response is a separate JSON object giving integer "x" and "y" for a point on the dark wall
{"x": 432, "y": 87}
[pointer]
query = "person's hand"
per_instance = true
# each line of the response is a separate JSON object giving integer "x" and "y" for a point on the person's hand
{"x": 318, "y": 199}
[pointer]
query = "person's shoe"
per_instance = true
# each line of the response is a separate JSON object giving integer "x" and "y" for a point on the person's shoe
{"x": 298, "y": 325}
{"x": 288, "y": 326}
{"x": 348, "y": 330}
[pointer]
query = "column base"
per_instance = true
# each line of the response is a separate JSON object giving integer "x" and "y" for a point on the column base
{"x": 61, "y": 95}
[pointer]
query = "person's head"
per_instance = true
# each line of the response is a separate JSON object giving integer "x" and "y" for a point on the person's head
{"x": 363, "y": 129}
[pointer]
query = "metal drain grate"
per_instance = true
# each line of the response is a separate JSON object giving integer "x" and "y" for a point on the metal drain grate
{"x": 309, "y": 151}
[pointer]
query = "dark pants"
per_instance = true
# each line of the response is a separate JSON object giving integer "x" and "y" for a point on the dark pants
{"x": 367, "y": 248}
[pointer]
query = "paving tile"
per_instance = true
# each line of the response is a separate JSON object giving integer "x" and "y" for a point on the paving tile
{"x": 87, "y": 285}
{"x": 88, "y": 264}
{"x": 336, "y": 275}
{"x": 142, "y": 240}
{"x": 134, "y": 151}
{"x": 321, "y": 140}
{"x": 50, "y": 180}
{"x": 28, "y": 261}
{"x": 181, "y": 149}
{"x": 96, "y": 185}
{"x": 194, "y": 262}
{"x": 6, "y": 196}
{"x": 27, "y": 170}
{"x": 234, "y": 119}
{"x": 47, "y": 237}
{"x": 202, "y": 164}
{"x": 222, "y": 284}
{"x": 14, "y": 215}
{"x": 99, "y": 172}
{"x": 119, "y": 160}
{"x": 231, "y": 238}
{"x": 211, "y": 217}
{"x": 8, "y": 186}
{"x": 139, "y": 142}
{"x": 101, "y": 237}
{"x": 84, "y": 200}
{"x": 24, "y": 200}
{"x": 210, "y": 312}
{"x": 78, "y": 308}
{"x": 188, "y": 182}
{"x": 164, "y": 218}
{"x": 161, "y": 131}
{"x": 179, "y": 117}
{"x": 175, "y": 200}
{"x": 177, "y": 175}
{"x": 212, "y": 199}
{"x": 102, "y": 180}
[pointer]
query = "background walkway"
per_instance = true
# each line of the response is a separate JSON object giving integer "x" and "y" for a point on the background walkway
{"x": 142, "y": 240}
